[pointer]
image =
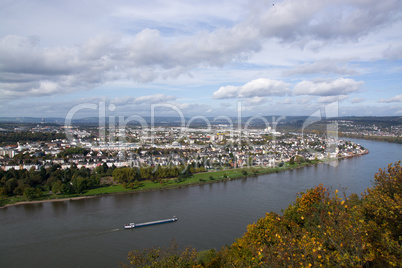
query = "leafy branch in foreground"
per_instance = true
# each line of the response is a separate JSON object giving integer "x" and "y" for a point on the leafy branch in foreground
{"x": 157, "y": 257}
{"x": 318, "y": 229}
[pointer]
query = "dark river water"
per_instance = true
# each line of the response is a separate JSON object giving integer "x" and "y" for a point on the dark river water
{"x": 88, "y": 233}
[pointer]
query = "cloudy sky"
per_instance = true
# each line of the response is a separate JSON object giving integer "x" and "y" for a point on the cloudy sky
{"x": 207, "y": 58}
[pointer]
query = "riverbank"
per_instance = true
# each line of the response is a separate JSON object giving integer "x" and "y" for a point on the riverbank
{"x": 47, "y": 200}
{"x": 146, "y": 186}
{"x": 397, "y": 140}
{"x": 164, "y": 184}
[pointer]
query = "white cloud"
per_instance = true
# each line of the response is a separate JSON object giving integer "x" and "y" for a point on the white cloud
{"x": 397, "y": 98}
{"x": 304, "y": 21}
{"x": 26, "y": 69}
{"x": 304, "y": 100}
{"x": 260, "y": 87}
{"x": 256, "y": 101}
{"x": 329, "y": 66}
{"x": 154, "y": 98}
{"x": 141, "y": 100}
{"x": 393, "y": 52}
{"x": 330, "y": 99}
{"x": 285, "y": 101}
{"x": 341, "y": 86}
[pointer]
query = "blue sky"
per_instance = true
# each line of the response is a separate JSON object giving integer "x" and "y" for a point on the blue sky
{"x": 206, "y": 58}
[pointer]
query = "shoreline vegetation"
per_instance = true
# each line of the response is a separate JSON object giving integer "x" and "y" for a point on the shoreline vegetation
{"x": 147, "y": 186}
{"x": 372, "y": 138}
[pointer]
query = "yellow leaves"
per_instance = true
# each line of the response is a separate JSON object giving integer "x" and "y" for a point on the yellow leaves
{"x": 278, "y": 236}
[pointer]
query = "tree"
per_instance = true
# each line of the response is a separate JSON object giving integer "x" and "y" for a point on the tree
{"x": 168, "y": 257}
{"x": 32, "y": 193}
{"x": 125, "y": 174}
{"x": 66, "y": 189}
{"x": 11, "y": 184}
{"x": 291, "y": 161}
{"x": 382, "y": 211}
{"x": 146, "y": 173}
{"x": 29, "y": 192}
{"x": 299, "y": 159}
{"x": 56, "y": 187}
{"x": 186, "y": 173}
{"x": 79, "y": 184}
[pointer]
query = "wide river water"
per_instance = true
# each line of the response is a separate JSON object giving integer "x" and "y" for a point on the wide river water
{"x": 88, "y": 232}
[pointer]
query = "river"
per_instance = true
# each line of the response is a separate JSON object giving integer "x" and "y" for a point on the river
{"x": 88, "y": 232}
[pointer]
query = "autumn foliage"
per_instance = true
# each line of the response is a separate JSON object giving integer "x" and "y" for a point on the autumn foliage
{"x": 318, "y": 229}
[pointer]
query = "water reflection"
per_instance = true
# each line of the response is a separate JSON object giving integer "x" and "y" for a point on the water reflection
{"x": 59, "y": 208}
{"x": 32, "y": 208}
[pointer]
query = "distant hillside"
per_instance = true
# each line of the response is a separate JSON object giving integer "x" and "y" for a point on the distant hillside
{"x": 32, "y": 120}
{"x": 295, "y": 121}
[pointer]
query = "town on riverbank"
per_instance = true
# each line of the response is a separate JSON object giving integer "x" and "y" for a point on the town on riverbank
{"x": 49, "y": 162}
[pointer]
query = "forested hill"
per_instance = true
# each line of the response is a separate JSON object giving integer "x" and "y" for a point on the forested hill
{"x": 318, "y": 229}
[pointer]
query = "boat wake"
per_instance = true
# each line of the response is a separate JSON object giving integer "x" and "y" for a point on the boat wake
{"x": 114, "y": 230}
{"x": 108, "y": 231}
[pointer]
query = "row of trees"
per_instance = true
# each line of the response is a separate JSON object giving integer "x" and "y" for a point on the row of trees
{"x": 319, "y": 229}
{"x": 73, "y": 151}
{"x": 33, "y": 184}
{"x": 128, "y": 174}
{"x": 29, "y": 136}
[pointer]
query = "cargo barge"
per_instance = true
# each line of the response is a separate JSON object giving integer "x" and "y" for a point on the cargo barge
{"x": 137, "y": 225}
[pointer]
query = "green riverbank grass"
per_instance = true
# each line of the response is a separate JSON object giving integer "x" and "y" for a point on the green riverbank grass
{"x": 196, "y": 179}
